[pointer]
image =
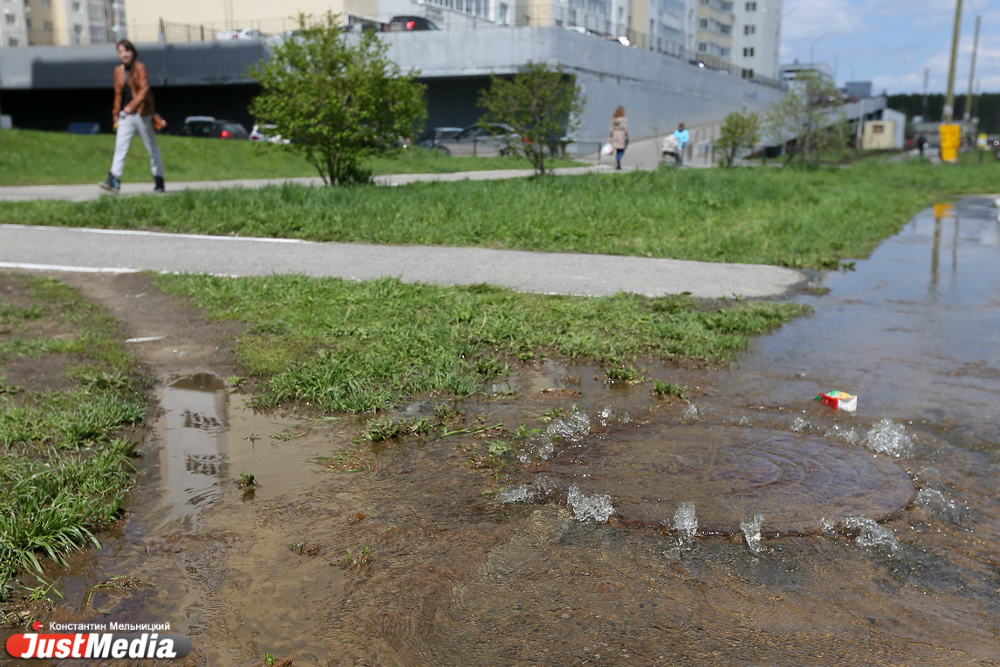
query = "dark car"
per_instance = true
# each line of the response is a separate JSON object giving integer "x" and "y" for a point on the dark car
{"x": 407, "y": 23}
{"x": 207, "y": 126}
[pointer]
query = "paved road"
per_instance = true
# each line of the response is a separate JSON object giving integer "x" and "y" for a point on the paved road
{"x": 87, "y": 250}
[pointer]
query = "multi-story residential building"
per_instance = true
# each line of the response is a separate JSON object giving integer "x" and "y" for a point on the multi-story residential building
{"x": 737, "y": 35}
{"x": 743, "y": 35}
{"x": 13, "y": 23}
{"x": 60, "y": 22}
{"x": 757, "y": 37}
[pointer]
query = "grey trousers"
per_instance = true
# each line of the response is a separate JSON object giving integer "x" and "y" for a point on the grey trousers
{"x": 128, "y": 127}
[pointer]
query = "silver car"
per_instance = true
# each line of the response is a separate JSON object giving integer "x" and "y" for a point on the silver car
{"x": 489, "y": 141}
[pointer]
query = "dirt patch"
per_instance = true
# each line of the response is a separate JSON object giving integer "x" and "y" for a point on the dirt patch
{"x": 165, "y": 332}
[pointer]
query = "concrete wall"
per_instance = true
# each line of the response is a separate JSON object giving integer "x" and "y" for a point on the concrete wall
{"x": 657, "y": 91}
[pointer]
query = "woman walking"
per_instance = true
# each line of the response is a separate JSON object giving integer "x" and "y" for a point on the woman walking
{"x": 132, "y": 114}
{"x": 619, "y": 135}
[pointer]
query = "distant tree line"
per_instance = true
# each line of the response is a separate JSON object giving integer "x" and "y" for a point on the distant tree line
{"x": 985, "y": 106}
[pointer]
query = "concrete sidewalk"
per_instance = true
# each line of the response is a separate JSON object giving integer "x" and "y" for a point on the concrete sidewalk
{"x": 91, "y": 250}
{"x": 111, "y": 251}
{"x": 641, "y": 155}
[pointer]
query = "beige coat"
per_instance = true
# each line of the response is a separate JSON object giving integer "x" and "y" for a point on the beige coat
{"x": 619, "y": 133}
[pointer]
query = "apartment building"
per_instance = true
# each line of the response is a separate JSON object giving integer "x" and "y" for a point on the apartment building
{"x": 740, "y": 36}
{"x": 13, "y": 23}
{"x": 60, "y": 22}
{"x": 743, "y": 34}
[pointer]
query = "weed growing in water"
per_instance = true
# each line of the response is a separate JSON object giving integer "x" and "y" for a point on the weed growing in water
{"x": 351, "y": 560}
{"x": 247, "y": 480}
{"x": 667, "y": 389}
{"x": 387, "y": 428}
{"x": 358, "y": 460}
{"x": 621, "y": 373}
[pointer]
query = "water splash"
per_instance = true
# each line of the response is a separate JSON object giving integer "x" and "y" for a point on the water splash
{"x": 541, "y": 488}
{"x": 941, "y": 505}
{"x": 691, "y": 413}
{"x": 872, "y": 534}
{"x": 799, "y": 424}
{"x": 609, "y": 416}
{"x": 685, "y": 523}
{"x": 597, "y": 507}
{"x": 887, "y": 437}
{"x": 751, "y": 532}
{"x": 540, "y": 448}
{"x": 848, "y": 435}
{"x": 571, "y": 429}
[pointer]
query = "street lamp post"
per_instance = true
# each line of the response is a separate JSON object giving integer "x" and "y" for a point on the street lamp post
{"x": 812, "y": 48}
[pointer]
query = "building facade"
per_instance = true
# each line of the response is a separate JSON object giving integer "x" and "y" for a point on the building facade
{"x": 60, "y": 22}
{"x": 741, "y": 36}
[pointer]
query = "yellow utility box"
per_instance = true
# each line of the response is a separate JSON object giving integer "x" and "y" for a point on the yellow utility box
{"x": 951, "y": 141}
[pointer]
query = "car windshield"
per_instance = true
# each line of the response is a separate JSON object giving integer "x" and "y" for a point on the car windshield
{"x": 470, "y": 132}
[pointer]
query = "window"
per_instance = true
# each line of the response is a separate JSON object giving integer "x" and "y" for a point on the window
{"x": 878, "y": 128}
{"x": 749, "y": 30}
{"x": 751, "y": 7}
{"x": 502, "y": 14}
{"x": 12, "y": 41}
{"x": 748, "y": 52}
{"x": 47, "y": 26}
{"x": 10, "y": 19}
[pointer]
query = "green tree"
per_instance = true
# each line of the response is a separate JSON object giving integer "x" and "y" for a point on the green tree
{"x": 541, "y": 104}
{"x": 809, "y": 119}
{"x": 740, "y": 130}
{"x": 339, "y": 101}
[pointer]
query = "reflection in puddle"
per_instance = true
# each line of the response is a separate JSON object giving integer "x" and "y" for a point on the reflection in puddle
{"x": 192, "y": 445}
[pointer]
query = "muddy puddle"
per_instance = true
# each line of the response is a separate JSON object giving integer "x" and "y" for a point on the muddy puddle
{"x": 745, "y": 524}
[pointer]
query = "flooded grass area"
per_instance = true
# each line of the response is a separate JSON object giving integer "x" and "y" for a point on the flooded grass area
{"x": 575, "y": 518}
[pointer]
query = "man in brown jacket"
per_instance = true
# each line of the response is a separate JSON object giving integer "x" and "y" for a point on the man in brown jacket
{"x": 133, "y": 114}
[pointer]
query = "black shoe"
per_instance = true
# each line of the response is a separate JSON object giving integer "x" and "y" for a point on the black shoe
{"x": 158, "y": 187}
{"x": 112, "y": 184}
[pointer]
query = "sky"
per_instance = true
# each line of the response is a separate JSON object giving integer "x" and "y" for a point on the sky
{"x": 893, "y": 43}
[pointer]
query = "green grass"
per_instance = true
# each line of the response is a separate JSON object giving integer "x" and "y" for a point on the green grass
{"x": 64, "y": 470}
{"x": 362, "y": 347}
{"x": 30, "y": 157}
{"x": 788, "y": 217}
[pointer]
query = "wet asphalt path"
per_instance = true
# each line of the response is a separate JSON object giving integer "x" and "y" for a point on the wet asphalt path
{"x": 91, "y": 250}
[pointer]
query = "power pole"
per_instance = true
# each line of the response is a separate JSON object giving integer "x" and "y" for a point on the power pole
{"x": 949, "y": 100}
{"x": 972, "y": 72}
{"x": 927, "y": 74}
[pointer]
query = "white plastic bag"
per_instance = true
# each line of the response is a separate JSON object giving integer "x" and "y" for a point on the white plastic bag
{"x": 607, "y": 149}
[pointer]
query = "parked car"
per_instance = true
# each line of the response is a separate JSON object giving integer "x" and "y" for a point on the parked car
{"x": 243, "y": 33}
{"x": 407, "y": 23}
{"x": 477, "y": 140}
{"x": 266, "y": 133}
{"x": 208, "y": 126}
{"x": 435, "y": 135}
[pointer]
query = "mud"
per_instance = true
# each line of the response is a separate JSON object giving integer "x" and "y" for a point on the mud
{"x": 418, "y": 557}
